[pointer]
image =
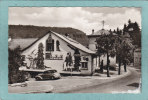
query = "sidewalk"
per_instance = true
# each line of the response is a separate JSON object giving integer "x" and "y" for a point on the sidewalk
{"x": 113, "y": 75}
{"x": 94, "y": 80}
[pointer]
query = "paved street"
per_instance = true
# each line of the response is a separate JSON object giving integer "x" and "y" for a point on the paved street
{"x": 116, "y": 86}
{"x": 89, "y": 84}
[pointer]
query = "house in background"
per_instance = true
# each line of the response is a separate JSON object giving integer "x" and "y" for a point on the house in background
{"x": 137, "y": 58}
{"x": 93, "y": 46}
{"x": 55, "y": 50}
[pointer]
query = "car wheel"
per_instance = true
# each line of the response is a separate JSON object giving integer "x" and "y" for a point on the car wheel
{"x": 52, "y": 77}
{"x": 27, "y": 76}
{"x": 38, "y": 79}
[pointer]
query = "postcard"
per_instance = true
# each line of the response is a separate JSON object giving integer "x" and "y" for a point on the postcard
{"x": 61, "y": 50}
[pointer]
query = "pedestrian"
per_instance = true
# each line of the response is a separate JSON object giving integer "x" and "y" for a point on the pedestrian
{"x": 70, "y": 63}
{"x": 67, "y": 61}
{"x": 101, "y": 66}
{"x": 124, "y": 63}
{"x": 77, "y": 60}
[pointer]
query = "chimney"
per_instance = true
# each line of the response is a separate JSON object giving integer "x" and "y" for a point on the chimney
{"x": 92, "y": 31}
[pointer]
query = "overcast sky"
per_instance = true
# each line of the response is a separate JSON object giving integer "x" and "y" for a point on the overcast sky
{"x": 82, "y": 18}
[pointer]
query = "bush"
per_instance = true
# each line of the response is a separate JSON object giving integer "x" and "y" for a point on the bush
{"x": 15, "y": 61}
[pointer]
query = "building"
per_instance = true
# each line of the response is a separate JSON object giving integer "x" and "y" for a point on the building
{"x": 93, "y": 46}
{"x": 55, "y": 50}
{"x": 137, "y": 58}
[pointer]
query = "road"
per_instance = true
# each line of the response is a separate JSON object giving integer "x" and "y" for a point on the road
{"x": 116, "y": 86}
{"x": 78, "y": 84}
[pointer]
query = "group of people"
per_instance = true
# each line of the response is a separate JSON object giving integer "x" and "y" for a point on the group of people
{"x": 72, "y": 63}
{"x": 68, "y": 62}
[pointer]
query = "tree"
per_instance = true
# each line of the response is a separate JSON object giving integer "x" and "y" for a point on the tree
{"x": 40, "y": 57}
{"x": 15, "y": 61}
{"x": 119, "y": 32}
{"x": 106, "y": 43}
{"x": 123, "y": 53}
{"x": 126, "y": 53}
{"x": 100, "y": 52}
{"x": 114, "y": 31}
{"x": 134, "y": 32}
{"x": 136, "y": 27}
{"x": 118, "y": 52}
{"x": 125, "y": 29}
{"x": 110, "y": 31}
{"x": 129, "y": 21}
{"x": 137, "y": 34}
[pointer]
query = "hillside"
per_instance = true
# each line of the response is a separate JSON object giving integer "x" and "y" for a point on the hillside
{"x": 29, "y": 31}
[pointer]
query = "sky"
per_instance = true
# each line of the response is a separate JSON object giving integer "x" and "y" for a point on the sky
{"x": 82, "y": 18}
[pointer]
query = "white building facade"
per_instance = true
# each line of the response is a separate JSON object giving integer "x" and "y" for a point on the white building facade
{"x": 56, "y": 52}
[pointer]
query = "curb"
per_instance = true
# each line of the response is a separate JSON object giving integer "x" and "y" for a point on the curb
{"x": 106, "y": 78}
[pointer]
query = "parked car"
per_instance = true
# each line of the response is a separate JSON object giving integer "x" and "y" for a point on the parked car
{"x": 48, "y": 74}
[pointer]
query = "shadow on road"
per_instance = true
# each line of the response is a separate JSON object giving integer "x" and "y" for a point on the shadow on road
{"x": 134, "y": 85}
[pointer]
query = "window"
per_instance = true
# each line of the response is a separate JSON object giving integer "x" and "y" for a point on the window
{"x": 85, "y": 58}
{"x": 84, "y": 65}
{"x": 50, "y": 45}
{"x": 57, "y": 45}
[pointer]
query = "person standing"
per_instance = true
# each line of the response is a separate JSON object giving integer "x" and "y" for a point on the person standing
{"x": 67, "y": 61}
{"x": 101, "y": 66}
{"x": 124, "y": 63}
{"x": 70, "y": 63}
{"x": 77, "y": 60}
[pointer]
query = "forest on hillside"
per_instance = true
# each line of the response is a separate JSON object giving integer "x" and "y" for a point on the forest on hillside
{"x": 30, "y": 31}
{"x": 133, "y": 29}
